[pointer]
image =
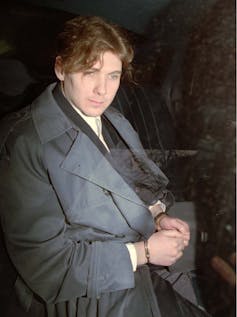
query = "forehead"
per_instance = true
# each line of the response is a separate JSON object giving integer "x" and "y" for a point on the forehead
{"x": 108, "y": 61}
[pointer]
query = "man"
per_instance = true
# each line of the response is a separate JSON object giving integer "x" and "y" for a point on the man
{"x": 79, "y": 227}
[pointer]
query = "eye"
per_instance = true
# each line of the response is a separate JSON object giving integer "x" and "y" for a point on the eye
{"x": 115, "y": 76}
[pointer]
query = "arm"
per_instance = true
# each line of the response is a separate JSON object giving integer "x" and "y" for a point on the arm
{"x": 52, "y": 265}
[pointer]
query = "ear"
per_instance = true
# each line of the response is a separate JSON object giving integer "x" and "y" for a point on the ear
{"x": 58, "y": 68}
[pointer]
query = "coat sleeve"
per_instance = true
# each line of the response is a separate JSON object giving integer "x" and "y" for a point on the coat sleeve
{"x": 52, "y": 265}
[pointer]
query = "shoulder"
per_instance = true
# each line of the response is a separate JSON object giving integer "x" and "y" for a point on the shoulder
{"x": 18, "y": 130}
{"x": 21, "y": 124}
{"x": 115, "y": 112}
{"x": 21, "y": 150}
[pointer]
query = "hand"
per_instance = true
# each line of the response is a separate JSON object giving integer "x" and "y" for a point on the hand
{"x": 170, "y": 223}
{"x": 165, "y": 248}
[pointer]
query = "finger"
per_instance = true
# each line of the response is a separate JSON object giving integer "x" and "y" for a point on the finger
{"x": 179, "y": 244}
{"x": 172, "y": 233}
{"x": 186, "y": 243}
{"x": 187, "y": 235}
{"x": 179, "y": 255}
{"x": 181, "y": 248}
{"x": 180, "y": 225}
{"x": 182, "y": 245}
{"x": 183, "y": 227}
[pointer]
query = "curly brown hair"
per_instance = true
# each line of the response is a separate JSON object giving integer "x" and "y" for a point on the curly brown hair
{"x": 85, "y": 38}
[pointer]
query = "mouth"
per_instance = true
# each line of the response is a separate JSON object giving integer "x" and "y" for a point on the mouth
{"x": 96, "y": 102}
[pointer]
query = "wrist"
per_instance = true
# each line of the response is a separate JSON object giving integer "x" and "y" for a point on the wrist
{"x": 141, "y": 255}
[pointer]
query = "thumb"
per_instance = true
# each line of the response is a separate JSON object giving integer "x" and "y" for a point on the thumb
{"x": 172, "y": 233}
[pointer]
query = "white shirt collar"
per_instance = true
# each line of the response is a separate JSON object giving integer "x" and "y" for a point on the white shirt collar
{"x": 89, "y": 120}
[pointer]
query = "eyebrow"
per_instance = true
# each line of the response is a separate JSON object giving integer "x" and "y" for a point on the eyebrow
{"x": 116, "y": 72}
{"x": 119, "y": 72}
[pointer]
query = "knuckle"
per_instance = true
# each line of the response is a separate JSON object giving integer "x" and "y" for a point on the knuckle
{"x": 174, "y": 253}
{"x": 172, "y": 261}
{"x": 175, "y": 244}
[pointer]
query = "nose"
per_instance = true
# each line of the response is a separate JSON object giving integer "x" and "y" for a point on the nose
{"x": 101, "y": 86}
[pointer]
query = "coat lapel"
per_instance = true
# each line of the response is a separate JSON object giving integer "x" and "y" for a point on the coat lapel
{"x": 124, "y": 129}
{"x": 87, "y": 161}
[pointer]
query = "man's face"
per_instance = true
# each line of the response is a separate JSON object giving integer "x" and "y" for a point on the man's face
{"x": 93, "y": 90}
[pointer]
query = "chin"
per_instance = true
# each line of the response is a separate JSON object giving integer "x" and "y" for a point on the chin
{"x": 96, "y": 112}
{"x": 93, "y": 113}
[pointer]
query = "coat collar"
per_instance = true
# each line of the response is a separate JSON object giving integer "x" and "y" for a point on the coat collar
{"x": 50, "y": 121}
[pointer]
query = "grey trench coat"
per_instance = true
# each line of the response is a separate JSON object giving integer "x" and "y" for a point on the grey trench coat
{"x": 67, "y": 214}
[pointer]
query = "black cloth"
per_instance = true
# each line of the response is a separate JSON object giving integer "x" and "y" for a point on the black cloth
{"x": 166, "y": 295}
